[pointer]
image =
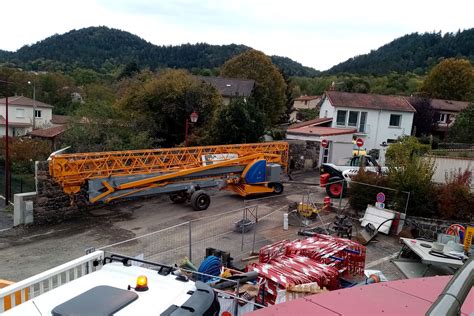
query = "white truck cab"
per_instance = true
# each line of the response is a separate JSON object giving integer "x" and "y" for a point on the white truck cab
{"x": 119, "y": 288}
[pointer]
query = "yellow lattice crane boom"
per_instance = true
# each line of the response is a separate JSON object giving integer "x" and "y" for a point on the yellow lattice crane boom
{"x": 243, "y": 168}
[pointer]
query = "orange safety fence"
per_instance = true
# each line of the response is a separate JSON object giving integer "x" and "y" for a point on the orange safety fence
{"x": 7, "y": 300}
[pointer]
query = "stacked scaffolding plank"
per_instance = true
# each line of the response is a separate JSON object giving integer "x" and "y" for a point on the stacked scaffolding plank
{"x": 320, "y": 259}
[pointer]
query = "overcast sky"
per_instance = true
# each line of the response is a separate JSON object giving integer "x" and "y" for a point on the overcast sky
{"x": 315, "y": 33}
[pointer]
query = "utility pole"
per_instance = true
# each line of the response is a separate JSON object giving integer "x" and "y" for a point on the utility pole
{"x": 34, "y": 103}
{"x": 7, "y": 154}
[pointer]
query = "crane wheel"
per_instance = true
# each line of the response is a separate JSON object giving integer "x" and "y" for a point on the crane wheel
{"x": 277, "y": 187}
{"x": 200, "y": 200}
{"x": 178, "y": 198}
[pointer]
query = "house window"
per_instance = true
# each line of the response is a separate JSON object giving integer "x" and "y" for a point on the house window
{"x": 395, "y": 120}
{"x": 38, "y": 113}
{"x": 326, "y": 153}
{"x": 326, "y": 113}
{"x": 353, "y": 117}
{"x": 442, "y": 118}
{"x": 341, "y": 118}
{"x": 20, "y": 113}
{"x": 363, "y": 122}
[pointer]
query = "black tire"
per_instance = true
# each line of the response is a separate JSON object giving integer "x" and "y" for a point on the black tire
{"x": 200, "y": 200}
{"x": 334, "y": 190}
{"x": 178, "y": 198}
{"x": 277, "y": 187}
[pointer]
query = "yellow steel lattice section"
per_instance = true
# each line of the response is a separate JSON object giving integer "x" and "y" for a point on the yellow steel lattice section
{"x": 72, "y": 170}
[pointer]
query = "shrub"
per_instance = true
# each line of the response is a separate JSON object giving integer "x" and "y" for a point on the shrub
{"x": 410, "y": 172}
{"x": 361, "y": 195}
{"x": 24, "y": 152}
{"x": 455, "y": 200}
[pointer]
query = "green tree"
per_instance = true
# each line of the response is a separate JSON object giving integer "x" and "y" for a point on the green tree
{"x": 239, "y": 122}
{"x": 307, "y": 114}
{"x": 162, "y": 103}
{"x": 97, "y": 92}
{"x": 102, "y": 127}
{"x": 451, "y": 79}
{"x": 269, "y": 91}
{"x": 410, "y": 172}
{"x": 462, "y": 130}
{"x": 130, "y": 69}
{"x": 424, "y": 118}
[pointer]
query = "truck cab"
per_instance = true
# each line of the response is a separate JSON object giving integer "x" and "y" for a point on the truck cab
{"x": 335, "y": 177}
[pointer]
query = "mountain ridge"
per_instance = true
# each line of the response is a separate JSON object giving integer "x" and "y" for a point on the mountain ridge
{"x": 102, "y": 48}
{"x": 410, "y": 53}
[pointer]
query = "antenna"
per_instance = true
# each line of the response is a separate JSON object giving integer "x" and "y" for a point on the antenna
{"x": 36, "y": 307}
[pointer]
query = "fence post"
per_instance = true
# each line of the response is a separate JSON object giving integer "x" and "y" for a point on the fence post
{"x": 244, "y": 217}
{"x": 190, "y": 242}
{"x": 406, "y": 205}
{"x": 340, "y": 196}
{"x": 255, "y": 229}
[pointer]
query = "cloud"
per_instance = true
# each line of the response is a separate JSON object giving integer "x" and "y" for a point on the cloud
{"x": 315, "y": 33}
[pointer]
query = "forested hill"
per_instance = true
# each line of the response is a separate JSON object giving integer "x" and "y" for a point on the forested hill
{"x": 104, "y": 49}
{"x": 414, "y": 52}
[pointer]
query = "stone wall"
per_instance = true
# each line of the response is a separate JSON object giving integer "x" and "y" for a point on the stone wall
{"x": 303, "y": 154}
{"x": 51, "y": 204}
{"x": 433, "y": 227}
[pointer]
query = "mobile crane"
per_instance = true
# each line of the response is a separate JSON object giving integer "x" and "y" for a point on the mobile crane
{"x": 183, "y": 173}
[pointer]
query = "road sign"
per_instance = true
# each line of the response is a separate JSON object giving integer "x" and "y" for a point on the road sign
{"x": 380, "y": 197}
{"x": 359, "y": 142}
{"x": 324, "y": 143}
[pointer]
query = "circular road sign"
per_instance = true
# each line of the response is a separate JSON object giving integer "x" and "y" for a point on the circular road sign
{"x": 324, "y": 143}
{"x": 359, "y": 142}
{"x": 380, "y": 197}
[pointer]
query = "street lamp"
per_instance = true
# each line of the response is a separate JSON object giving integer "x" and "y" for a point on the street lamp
{"x": 194, "y": 117}
{"x": 34, "y": 103}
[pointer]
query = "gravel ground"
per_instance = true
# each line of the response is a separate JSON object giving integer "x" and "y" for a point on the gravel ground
{"x": 26, "y": 251}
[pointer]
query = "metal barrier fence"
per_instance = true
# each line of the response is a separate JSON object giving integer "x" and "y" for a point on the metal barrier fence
{"x": 236, "y": 232}
{"x": 19, "y": 183}
{"x": 239, "y": 232}
{"x": 393, "y": 199}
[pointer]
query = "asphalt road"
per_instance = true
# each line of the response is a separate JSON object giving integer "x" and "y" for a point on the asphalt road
{"x": 26, "y": 251}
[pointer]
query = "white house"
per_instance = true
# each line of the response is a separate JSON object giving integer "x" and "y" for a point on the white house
{"x": 21, "y": 113}
{"x": 376, "y": 118}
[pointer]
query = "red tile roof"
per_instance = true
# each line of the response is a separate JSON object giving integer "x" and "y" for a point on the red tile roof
{"x": 369, "y": 101}
{"x": 24, "y": 101}
{"x": 308, "y": 98}
{"x": 449, "y": 105}
{"x": 318, "y": 121}
{"x": 13, "y": 124}
{"x": 60, "y": 119}
{"x": 230, "y": 87}
{"x": 48, "y": 132}
{"x": 320, "y": 131}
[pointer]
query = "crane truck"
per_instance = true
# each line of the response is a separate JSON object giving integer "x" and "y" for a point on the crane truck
{"x": 183, "y": 173}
